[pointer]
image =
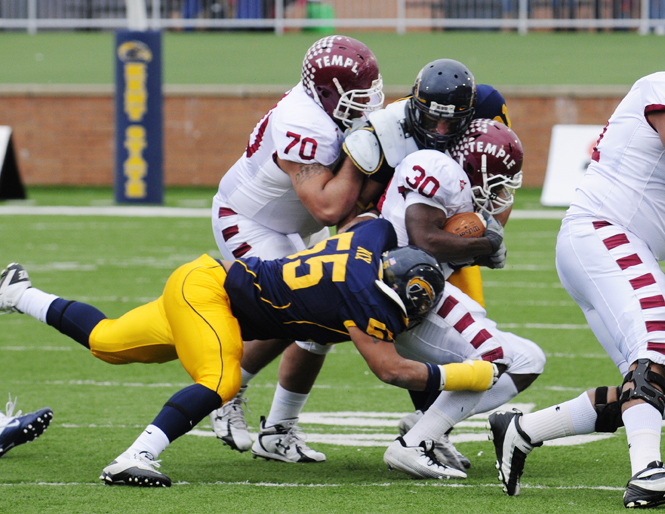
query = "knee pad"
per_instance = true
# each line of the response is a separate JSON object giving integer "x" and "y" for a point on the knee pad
{"x": 644, "y": 379}
{"x": 609, "y": 414}
{"x": 315, "y": 348}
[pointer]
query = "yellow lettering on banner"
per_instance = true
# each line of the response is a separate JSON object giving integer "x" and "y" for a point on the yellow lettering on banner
{"x": 136, "y": 94}
{"x": 135, "y": 168}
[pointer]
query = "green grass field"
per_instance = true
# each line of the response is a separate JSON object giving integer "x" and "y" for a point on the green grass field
{"x": 117, "y": 263}
{"x": 498, "y": 58}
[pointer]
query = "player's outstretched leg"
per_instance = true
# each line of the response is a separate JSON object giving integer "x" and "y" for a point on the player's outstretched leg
{"x": 422, "y": 461}
{"x": 284, "y": 442}
{"x": 646, "y": 488}
{"x": 17, "y": 429}
{"x": 14, "y": 281}
{"x": 512, "y": 446}
{"x": 228, "y": 423}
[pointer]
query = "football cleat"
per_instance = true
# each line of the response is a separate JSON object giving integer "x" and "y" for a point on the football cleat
{"x": 512, "y": 446}
{"x": 14, "y": 281}
{"x": 447, "y": 453}
{"x": 18, "y": 429}
{"x": 419, "y": 461}
{"x": 406, "y": 423}
{"x": 135, "y": 469}
{"x": 284, "y": 442}
{"x": 228, "y": 423}
{"x": 646, "y": 488}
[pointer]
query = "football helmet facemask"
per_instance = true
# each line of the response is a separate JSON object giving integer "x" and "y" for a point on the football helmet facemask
{"x": 411, "y": 277}
{"x": 444, "y": 90}
{"x": 342, "y": 76}
{"x": 491, "y": 154}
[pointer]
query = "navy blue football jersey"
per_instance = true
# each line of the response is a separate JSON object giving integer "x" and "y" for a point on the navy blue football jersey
{"x": 317, "y": 294}
{"x": 490, "y": 104}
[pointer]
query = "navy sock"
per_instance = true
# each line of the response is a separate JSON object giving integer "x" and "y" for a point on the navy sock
{"x": 419, "y": 399}
{"x": 74, "y": 319}
{"x": 423, "y": 400}
{"x": 185, "y": 409}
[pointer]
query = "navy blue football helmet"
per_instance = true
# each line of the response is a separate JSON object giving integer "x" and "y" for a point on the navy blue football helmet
{"x": 444, "y": 90}
{"x": 413, "y": 278}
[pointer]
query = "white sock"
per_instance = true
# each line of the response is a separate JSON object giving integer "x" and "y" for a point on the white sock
{"x": 576, "y": 416}
{"x": 457, "y": 405}
{"x": 643, "y": 424}
{"x": 432, "y": 425}
{"x": 449, "y": 408}
{"x": 285, "y": 405}
{"x": 582, "y": 414}
{"x": 501, "y": 393}
{"x": 245, "y": 377}
{"x": 35, "y": 303}
{"x": 151, "y": 440}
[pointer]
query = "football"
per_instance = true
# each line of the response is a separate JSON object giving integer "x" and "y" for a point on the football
{"x": 466, "y": 224}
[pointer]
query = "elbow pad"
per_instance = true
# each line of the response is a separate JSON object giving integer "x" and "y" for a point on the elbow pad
{"x": 363, "y": 147}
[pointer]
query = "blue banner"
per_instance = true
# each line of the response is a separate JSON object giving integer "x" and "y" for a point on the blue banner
{"x": 138, "y": 117}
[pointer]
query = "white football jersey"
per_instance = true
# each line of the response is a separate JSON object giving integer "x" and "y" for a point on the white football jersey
{"x": 625, "y": 182}
{"x": 296, "y": 129}
{"x": 430, "y": 177}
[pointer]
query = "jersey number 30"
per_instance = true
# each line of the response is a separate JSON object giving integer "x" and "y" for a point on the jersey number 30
{"x": 420, "y": 181}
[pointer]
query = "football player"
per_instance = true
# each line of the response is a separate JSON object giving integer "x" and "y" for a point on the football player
{"x": 279, "y": 197}
{"x": 607, "y": 255}
{"x": 354, "y": 286}
{"x": 428, "y": 188}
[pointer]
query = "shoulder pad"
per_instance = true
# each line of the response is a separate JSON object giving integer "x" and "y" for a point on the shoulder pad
{"x": 388, "y": 125}
{"x": 363, "y": 148}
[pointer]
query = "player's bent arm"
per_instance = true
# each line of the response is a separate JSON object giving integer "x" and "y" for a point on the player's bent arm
{"x": 369, "y": 196}
{"x": 391, "y": 368}
{"x": 387, "y": 364}
{"x": 329, "y": 197}
{"x": 657, "y": 121}
{"x": 424, "y": 225}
